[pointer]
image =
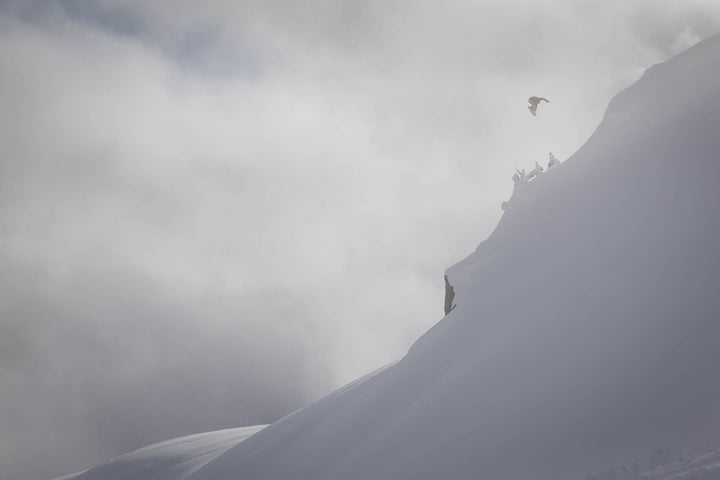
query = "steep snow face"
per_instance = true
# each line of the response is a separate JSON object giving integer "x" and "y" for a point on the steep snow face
{"x": 586, "y": 330}
{"x": 170, "y": 460}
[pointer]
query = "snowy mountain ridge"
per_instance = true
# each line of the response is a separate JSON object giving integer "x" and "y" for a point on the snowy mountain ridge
{"x": 171, "y": 459}
{"x": 585, "y": 331}
{"x": 193, "y": 451}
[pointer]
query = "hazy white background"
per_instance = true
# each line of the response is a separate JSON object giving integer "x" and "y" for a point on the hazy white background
{"x": 212, "y": 213}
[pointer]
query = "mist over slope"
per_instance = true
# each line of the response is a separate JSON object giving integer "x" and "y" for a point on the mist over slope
{"x": 586, "y": 326}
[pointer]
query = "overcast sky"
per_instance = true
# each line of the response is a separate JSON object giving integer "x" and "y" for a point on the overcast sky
{"x": 211, "y": 213}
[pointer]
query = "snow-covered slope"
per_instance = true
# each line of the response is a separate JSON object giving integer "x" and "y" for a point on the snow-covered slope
{"x": 587, "y": 325}
{"x": 170, "y": 460}
{"x": 671, "y": 463}
{"x": 586, "y": 331}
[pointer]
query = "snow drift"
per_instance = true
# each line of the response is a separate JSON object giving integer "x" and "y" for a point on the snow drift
{"x": 170, "y": 460}
{"x": 586, "y": 329}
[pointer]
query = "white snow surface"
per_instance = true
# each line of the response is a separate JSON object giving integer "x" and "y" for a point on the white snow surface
{"x": 587, "y": 325}
{"x": 671, "y": 463}
{"x": 169, "y": 460}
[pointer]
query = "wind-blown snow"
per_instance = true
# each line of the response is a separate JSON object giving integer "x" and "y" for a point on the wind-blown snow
{"x": 586, "y": 329}
{"x": 170, "y": 460}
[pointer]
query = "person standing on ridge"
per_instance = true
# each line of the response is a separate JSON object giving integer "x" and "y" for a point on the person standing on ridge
{"x": 449, "y": 296}
{"x": 534, "y": 101}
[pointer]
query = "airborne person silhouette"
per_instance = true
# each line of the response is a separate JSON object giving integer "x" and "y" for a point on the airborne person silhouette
{"x": 534, "y": 101}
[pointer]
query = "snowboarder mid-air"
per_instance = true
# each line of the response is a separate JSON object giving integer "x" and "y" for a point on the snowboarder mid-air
{"x": 534, "y": 101}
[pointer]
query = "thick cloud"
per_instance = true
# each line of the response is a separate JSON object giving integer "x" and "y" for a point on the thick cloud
{"x": 106, "y": 360}
{"x": 211, "y": 213}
